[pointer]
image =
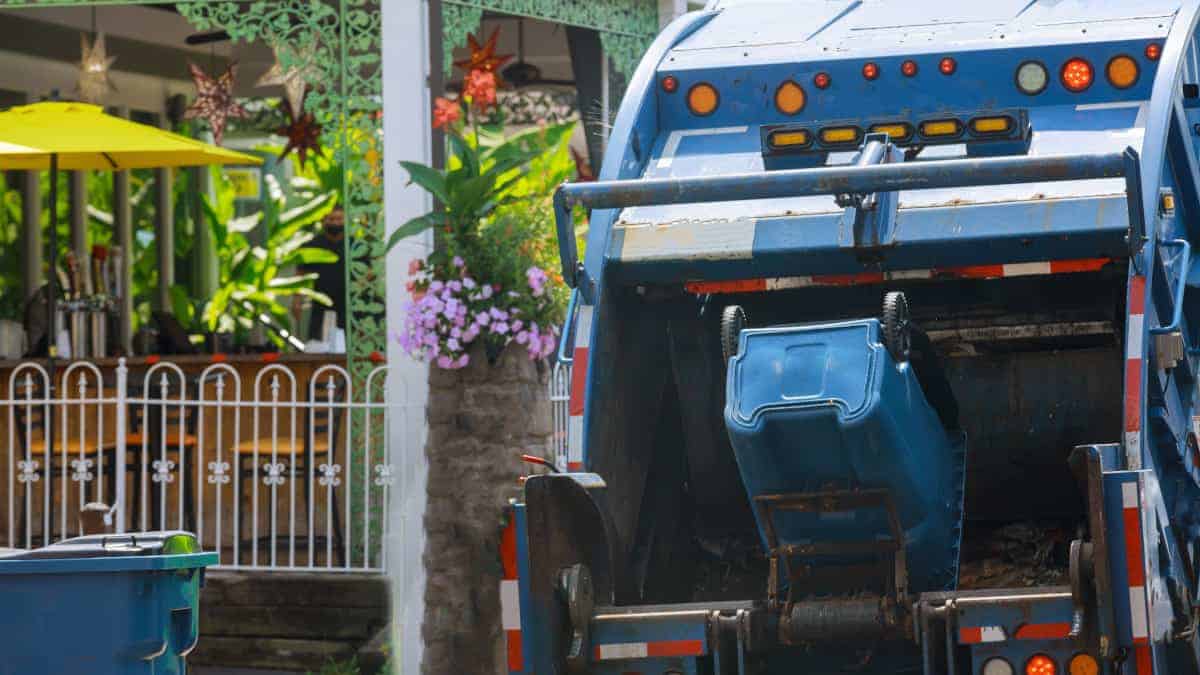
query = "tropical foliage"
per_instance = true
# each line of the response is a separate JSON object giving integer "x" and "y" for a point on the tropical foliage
{"x": 492, "y": 274}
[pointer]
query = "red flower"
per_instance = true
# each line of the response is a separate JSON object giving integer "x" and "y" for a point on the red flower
{"x": 445, "y": 112}
{"x": 480, "y": 87}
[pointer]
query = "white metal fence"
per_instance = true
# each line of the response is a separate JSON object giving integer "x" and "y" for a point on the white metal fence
{"x": 560, "y": 407}
{"x": 269, "y": 471}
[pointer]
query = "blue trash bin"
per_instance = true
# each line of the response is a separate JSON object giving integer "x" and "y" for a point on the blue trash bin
{"x": 102, "y": 605}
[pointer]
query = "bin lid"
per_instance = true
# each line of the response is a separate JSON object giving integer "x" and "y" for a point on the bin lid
{"x": 170, "y": 549}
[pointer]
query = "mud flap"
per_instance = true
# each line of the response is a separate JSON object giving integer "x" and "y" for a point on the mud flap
{"x": 567, "y": 524}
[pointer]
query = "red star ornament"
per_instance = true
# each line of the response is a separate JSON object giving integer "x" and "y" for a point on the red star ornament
{"x": 483, "y": 57}
{"x": 302, "y": 131}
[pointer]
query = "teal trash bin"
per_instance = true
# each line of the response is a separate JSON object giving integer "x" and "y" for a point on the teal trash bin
{"x": 102, "y": 604}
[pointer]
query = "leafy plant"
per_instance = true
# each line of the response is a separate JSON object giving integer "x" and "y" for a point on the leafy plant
{"x": 254, "y": 279}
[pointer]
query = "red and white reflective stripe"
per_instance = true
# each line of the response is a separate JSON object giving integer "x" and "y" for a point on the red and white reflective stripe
{"x": 1135, "y": 328}
{"x": 968, "y": 272}
{"x": 510, "y": 598}
{"x": 1043, "y": 631}
{"x": 649, "y": 650}
{"x": 579, "y": 368}
{"x": 973, "y": 635}
{"x": 1135, "y": 565}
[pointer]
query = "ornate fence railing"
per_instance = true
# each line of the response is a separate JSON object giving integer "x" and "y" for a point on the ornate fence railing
{"x": 560, "y": 402}
{"x": 260, "y": 465}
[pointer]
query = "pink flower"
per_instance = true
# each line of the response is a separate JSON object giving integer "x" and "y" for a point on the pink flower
{"x": 414, "y": 266}
{"x": 457, "y": 261}
{"x": 444, "y": 362}
{"x": 500, "y": 328}
{"x": 462, "y": 361}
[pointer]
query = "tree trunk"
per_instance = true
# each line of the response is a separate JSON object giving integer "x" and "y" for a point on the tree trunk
{"x": 481, "y": 419}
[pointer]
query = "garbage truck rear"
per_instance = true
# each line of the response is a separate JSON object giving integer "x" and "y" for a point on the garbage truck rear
{"x": 884, "y": 351}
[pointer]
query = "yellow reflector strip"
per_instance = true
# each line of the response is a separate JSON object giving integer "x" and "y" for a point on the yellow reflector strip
{"x": 991, "y": 125}
{"x": 702, "y": 99}
{"x": 1168, "y": 202}
{"x": 895, "y": 132}
{"x": 836, "y": 135}
{"x": 789, "y": 139}
{"x": 941, "y": 128}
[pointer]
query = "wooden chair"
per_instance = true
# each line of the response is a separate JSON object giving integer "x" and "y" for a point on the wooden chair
{"x": 32, "y": 442}
{"x": 319, "y": 425}
{"x": 163, "y": 429}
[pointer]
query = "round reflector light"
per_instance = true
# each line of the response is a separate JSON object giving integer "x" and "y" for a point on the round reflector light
{"x": 670, "y": 84}
{"x": 997, "y": 666}
{"x": 1083, "y": 664}
{"x": 702, "y": 99}
{"x": 908, "y": 68}
{"x": 948, "y": 65}
{"x": 1122, "y": 72}
{"x": 871, "y": 70}
{"x": 1040, "y": 664}
{"x": 822, "y": 80}
{"x": 1032, "y": 78}
{"x": 1153, "y": 51}
{"x": 790, "y": 98}
{"x": 1077, "y": 75}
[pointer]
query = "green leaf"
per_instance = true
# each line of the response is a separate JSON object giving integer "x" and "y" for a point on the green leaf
{"x": 432, "y": 180}
{"x": 310, "y": 256}
{"x": 415, "y": 226}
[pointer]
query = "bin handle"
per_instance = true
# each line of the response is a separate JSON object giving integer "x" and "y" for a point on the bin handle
{"x": 1185, "y": 257}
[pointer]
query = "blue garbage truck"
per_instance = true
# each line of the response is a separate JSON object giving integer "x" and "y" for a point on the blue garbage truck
{"x": 868, "y": 284}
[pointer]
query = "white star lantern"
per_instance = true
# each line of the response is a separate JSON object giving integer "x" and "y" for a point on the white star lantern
{"x": 94, "y": 63}
{"x": 292, "y": 78}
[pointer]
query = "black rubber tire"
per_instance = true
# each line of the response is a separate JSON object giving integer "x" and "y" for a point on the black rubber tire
{"x": 897, "y": 326}
{"x": 733, "y": 320}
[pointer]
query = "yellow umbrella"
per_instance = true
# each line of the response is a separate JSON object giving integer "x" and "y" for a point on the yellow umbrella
{"x": 72, "y": 136}
{"x": 84, "y": 137}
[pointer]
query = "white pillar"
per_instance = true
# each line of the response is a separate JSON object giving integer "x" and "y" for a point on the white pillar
{"x": 406, "y": 136}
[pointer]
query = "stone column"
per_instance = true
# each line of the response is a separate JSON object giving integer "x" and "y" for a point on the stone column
{"x": 481, "y": 420}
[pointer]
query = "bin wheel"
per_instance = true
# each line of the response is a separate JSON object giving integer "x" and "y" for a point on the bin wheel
{"x": 733, "y": 320}
{"x": 897, "y": 326}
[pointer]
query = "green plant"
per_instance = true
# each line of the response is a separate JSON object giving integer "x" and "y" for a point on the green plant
{"x": 254, "y": 280}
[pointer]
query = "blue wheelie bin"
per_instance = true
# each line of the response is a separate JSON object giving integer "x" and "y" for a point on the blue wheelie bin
{"x": 102, "y": 604}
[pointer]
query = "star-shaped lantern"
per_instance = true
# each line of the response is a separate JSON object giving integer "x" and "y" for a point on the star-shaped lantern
{"x": 294, "y": 79}
{"x": 214, "y": 99}
{"x": 94, "y": 62}
{"x": 302, "y": 131}
{"x": 483, "y": 57}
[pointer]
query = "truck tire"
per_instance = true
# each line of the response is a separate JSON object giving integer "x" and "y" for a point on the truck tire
{"x": 897, "y": 326}
{"x": 733, "y": 320}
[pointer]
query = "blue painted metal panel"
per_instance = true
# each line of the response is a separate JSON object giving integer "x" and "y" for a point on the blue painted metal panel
{"x": 530, "y": 643}
{"x": 813, "y": 406}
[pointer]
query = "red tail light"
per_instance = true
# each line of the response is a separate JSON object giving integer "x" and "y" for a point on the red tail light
{"x": 670, "y": 84}
{"x": 1153, "y": 51}
{"x": 948, "y": 65}
{"x": 909, "y": 68}
{"x": 1077, "y": 75}
{"x": 822, "y": 80}
{"x": 871, "y": 71}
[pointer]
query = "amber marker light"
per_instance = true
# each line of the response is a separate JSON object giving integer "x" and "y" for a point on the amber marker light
{"x": 1083, "y": 664}
{"x": 702, "y": 99}
{"x": 790, "y": 98}
{"x": 1122, "y": 72}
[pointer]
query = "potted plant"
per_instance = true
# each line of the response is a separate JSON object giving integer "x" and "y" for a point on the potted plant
{"x": 485, "y": 311}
